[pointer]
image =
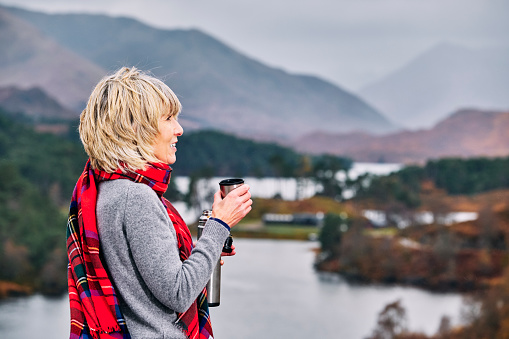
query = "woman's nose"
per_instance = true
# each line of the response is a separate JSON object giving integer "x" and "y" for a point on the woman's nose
{"x": 178, "y": 129}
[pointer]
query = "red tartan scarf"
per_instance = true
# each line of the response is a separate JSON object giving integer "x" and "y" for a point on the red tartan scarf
{"x": 94, "y": 307}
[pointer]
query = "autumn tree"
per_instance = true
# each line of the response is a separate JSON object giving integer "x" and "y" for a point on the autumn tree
{"x": 391, "y": 322}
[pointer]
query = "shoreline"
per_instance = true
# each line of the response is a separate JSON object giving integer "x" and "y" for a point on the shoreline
{"x": 10, "y": 289}
{"x": 437, "y": 286}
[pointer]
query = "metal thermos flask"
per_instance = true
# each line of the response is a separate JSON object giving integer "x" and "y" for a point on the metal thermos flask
{"x": 226, "y": 186}
{"x": 214, "y": 284}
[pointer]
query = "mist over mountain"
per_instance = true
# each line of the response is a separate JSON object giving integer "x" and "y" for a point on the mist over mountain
{"x": 444, "y": 79}
{"x": 219, "y": 87}
{"x": 29, "y": 58}
{"x": 466, "y": 133}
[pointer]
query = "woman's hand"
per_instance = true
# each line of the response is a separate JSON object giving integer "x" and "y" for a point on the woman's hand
{"x": 224, "y": 254}
{"x": 234, "y": 207}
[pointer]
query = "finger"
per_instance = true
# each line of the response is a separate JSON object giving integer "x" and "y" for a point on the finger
{"x": 247, "y": 206}
{"x": 217, "y": 200}
{"x": 222, "y": 263}
{"x": 245, "y": 197}
{"x": 241, "y": 190}
{"x": 217, "y": 196}
{"x": 228, "y": 254}
{"x": 247, "y": 188}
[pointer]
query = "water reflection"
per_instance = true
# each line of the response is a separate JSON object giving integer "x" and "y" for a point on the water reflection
{"x": 37, "y": 316}
{"x": 271, "y": 291}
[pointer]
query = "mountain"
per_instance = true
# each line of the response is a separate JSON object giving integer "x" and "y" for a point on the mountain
{"x": 31, "y": 59}
{"x": 219, "y": 87}
{"x": 466, "y": 133}
{"x": 34, "y": 103}
{"x": 444, "y": 79}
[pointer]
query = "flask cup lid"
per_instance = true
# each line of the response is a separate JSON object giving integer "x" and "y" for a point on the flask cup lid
{"x": 231, "y": 182}
{"x": 228, "y": 185}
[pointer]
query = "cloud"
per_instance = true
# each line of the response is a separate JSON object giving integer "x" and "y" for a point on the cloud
{"x": 350, "y": 42}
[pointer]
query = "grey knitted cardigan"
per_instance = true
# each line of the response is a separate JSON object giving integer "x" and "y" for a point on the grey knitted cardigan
{"x": 139, "y": 248}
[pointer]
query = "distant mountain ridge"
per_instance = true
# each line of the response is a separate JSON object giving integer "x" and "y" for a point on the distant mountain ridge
{"x": 219, "y": 87}
{"x": 439, "y": 82}
{"x": 467, "y": 133}
{"x": 33, "y": 103}
{"x": 29, "y": 58}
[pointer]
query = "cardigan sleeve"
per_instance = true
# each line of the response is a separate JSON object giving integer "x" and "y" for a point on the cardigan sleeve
{"x": 153, "y": 245}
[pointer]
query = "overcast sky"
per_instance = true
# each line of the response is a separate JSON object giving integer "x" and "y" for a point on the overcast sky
{"x": 349, "y": 42}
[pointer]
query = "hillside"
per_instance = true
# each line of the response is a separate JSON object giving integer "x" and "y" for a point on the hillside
{"x": 466, "y": 133}
{"x": 219, "y": 87}
{"x": 31, "y": 59}
{"x": 34, "y": 103}
{"x": 440, "y": 81}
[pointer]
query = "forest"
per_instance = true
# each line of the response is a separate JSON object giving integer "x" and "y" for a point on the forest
{"x": 454, "y": 175}
{"x": 39, "y": 171}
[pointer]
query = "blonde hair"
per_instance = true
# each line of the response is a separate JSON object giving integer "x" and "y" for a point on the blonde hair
{"x": 121, "y": 121}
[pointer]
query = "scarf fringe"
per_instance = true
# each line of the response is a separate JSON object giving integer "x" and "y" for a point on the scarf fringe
{"x": 100, "y": 334}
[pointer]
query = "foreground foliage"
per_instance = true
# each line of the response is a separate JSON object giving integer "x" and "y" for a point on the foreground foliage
{"x": 486, "y": 315}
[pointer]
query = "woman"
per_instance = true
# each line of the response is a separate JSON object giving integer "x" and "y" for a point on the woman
{"x": 133, "y": 270}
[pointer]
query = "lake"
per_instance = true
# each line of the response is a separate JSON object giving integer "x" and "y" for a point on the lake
{"x": 269, "y": 290}
{"x": 286, "y": 188}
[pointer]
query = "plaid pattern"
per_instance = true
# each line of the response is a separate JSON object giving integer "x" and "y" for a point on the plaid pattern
{"x": 94, "y": 307}
{"x": 195, "y": 322}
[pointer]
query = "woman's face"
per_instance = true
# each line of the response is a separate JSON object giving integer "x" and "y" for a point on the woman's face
{"x": 165, "y": 145}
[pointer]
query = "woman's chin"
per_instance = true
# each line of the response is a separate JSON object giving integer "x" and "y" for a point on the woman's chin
{"x": 171, "y": 160}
